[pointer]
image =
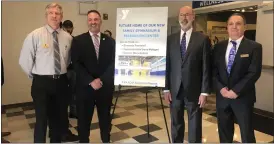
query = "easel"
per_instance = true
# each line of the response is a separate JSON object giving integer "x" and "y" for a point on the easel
{"x": 147, "y": 91}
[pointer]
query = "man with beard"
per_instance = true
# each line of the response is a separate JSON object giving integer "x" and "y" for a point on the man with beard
{"x": 188, "y": 76}
{"x": 93, "y": 55}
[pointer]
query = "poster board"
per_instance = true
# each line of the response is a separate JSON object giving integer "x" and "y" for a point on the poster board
{"x": 141, "y": 36}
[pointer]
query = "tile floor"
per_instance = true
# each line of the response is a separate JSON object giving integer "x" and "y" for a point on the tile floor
{"x": 129, "y": 123}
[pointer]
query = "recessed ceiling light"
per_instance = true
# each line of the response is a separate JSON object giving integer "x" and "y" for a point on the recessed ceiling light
{"x": 251, "y": 8}
{"x": 237, "y": 10}
{"x": 243, "y": 10}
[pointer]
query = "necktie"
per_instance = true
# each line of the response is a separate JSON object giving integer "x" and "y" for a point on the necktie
{"x": 183, "y": 46}
{"x": 96, "y": 44}
{"x": 57, "y": 65}
{"x": 231, "y": 56}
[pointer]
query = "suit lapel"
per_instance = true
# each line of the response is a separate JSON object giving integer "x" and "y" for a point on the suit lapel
{"x": 190, "y": 46}
{"x": 177, "y": 41}
{"x": 223, "y": 56}
{"x": 102, "y": 45}
{"x": 175, "y": 47}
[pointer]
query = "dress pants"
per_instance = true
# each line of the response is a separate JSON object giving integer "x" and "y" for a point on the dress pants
{"x": 194, "y": 113}
{"x": 69, "y": 101}
{"x": 243, "y": 113}
{"x": 86, "y": 102}
{"x": 72, "y": 84}
{"x": 48, "y": 95}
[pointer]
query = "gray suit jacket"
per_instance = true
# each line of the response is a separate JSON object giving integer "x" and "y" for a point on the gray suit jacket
{"x": 194, "y": 71}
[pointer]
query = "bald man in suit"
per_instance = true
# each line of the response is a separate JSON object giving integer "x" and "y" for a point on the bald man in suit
{"x": 188, "y": 76}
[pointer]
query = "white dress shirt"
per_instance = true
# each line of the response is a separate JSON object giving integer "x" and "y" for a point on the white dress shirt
{"x": 188, "y": 35}
{"x": 229, "y": 47}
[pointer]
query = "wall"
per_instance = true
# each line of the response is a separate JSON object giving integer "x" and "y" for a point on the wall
{"x": 20, "y": 18}
{"x": 264, "y": 91}
{"x": 251, "y": 17}
{"x": 201, "y": 23}
{"x": 265, "y": 35}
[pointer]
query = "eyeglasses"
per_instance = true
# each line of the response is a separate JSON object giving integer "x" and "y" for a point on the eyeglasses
{"x": 186, "y": 15}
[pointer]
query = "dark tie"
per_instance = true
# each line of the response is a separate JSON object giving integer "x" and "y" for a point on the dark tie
{"x": 57, "y": 65}
{"x": 96, "y": 44}
{"x": 183, "y": 46}
{"x": 231, "y": 56}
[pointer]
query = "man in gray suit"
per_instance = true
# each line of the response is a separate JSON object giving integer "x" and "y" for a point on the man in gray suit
{"x": 188, "y": 76}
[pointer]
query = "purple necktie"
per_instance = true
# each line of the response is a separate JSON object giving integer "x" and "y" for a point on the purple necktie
{"x": 183, "y": 46}
{"x": 231, "y": 56}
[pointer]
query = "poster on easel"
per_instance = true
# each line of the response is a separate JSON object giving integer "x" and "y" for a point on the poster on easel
{"x": 141, "y": 36}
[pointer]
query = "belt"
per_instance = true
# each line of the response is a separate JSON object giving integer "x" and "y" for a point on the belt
{"x": 51, "y": 76}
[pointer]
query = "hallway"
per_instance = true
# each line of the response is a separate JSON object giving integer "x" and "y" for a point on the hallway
{"x": 129, "y": 123}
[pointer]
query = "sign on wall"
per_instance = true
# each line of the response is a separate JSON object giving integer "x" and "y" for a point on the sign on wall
{"x": 199, "y": 4}
{"x": 141, "y": 35}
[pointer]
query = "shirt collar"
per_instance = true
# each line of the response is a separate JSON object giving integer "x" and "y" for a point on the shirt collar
{"x": 91, "y": 34}
{"x": 238, "y": 41}
{"x": 188, "y": 32}
{"x": 50, "y": 29}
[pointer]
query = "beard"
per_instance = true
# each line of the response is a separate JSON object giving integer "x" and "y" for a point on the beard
{"x": 185, "y": 24}
{"x": 94, "y": 27}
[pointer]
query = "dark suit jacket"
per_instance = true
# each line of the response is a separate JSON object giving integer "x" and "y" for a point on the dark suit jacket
{"x": 194, "y": 71}
{"x": 245, "y": 71}
{"x": 2, "y": 72}
{"x": 87, "y": 66}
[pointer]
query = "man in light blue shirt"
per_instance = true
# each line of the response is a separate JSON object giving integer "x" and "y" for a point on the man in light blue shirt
{"x": 44, "y": 57}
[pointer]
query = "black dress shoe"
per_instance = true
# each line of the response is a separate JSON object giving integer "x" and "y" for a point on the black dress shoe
{"x": 72, "y": 116}
{"x": 70, "y": 137}
{"x": 5, "y": 133}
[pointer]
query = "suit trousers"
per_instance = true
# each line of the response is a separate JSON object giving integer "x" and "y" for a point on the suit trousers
{"x": 86, "y": 103}
{"x": 72, "y": 84}
{"x": 48, "y": 95}
{"x": 70, "y": 102}
{"x": 194, "y": 113}
{"x": 243, "y": 114}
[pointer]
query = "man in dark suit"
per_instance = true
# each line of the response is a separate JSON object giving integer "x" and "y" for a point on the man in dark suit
{"x": 93, "y": 55}
{"x": 188, "y": 76}
{"x": 237, "y": 66}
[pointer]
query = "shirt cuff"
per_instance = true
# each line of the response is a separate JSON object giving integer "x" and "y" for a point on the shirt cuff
{"x": 205, "y": 94}
{"x": 165, "y": 91}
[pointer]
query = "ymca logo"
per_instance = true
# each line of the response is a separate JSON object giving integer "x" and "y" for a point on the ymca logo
{"x": 125, "y": 13}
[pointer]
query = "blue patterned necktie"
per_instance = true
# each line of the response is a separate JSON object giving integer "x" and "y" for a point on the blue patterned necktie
{"x": 57, "y": 65}
{"x": 231, "y": 56}
{"x": 183, "y": 46}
